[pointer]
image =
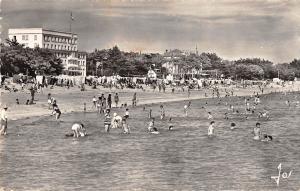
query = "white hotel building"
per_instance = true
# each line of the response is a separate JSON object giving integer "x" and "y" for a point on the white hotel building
{"x": 63, "y": 44}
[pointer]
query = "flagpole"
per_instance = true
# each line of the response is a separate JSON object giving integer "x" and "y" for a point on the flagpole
{"x": 71, "y": 22}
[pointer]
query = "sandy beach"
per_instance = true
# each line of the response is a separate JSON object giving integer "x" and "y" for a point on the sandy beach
{"x": 72, "y": 100}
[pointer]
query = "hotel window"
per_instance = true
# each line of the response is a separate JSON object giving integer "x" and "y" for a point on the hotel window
{"x": 58, "y": 47}
{"x": 24, "y": 37}
{"x": 51, "y": 46}
{"x": 35, "y": 37}
{"x": 54, "y": 46}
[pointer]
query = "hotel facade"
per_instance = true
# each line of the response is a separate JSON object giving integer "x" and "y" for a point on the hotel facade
{"x": 62, "y": 44}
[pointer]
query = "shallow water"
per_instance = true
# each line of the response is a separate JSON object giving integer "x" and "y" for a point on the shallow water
{"x": 37, "y": 156}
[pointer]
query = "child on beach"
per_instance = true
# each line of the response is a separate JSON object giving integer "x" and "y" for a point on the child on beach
{"x": 211, "y": 129}
{"x": 17, "y": 101}
{"x": 56, "y": 111}
{"x": 78, "y": 130}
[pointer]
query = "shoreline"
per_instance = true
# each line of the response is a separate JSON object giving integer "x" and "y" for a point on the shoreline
{"x": 40, "y": 109}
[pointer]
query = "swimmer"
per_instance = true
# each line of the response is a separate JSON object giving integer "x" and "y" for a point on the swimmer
{"x": 232, "y": 126}
{"x": 267, "y": 138}
{"x": 226, "y": 116}
{"x": 185, "y": 110}
{"x": 209, "y": 116}
{"x": 78, "y": 130}
{"x": 151, "y": 127}
{"x": 211, "y": 129}
{"x": 257, "y": 132}
{"x": 263, "y": 114}
{"x": 170, "y": 124}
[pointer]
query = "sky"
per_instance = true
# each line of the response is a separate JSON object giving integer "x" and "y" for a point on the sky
{"x": 233, "y": 29}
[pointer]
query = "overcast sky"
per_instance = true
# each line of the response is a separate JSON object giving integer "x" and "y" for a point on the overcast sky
{"x": 231, "y": 28}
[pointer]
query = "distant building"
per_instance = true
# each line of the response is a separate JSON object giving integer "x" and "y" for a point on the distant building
{"x": 176, "y": 69}
{"x": 63, "y": 44}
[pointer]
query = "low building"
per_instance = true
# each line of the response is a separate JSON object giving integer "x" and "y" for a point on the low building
{"x": 63, "y": 44}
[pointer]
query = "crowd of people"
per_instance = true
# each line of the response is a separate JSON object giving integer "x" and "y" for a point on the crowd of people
{"x": 103, "y": 105}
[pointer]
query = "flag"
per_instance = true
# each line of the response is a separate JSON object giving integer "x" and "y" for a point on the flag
{"x": 72, "y": 18}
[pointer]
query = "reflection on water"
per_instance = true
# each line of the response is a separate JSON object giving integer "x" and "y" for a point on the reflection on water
{"x": 36, "y": 155}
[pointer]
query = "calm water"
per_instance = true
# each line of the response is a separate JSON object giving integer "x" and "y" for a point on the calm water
{"x": 37, "y": 156}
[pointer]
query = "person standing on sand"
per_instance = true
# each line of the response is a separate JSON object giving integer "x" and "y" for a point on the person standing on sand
{"x": 99, "y": 103}
{"x": 3, "y": 121}
{"x": 134, "y": 100}
{"x": 32, "y": 92}
{"x": 116, "y": 98}
{"x": 94, "y": 102}
{"x": 109, "y": 101}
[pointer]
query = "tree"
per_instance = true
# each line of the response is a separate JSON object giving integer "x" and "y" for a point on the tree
{"x": 17, "y": 59}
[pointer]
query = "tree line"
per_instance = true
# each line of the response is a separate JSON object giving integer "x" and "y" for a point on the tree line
{"x": 114, "y": 61}
{"x": 15, "y": 59}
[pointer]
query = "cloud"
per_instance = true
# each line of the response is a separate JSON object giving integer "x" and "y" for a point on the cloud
{"x": 232, "y": 28}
